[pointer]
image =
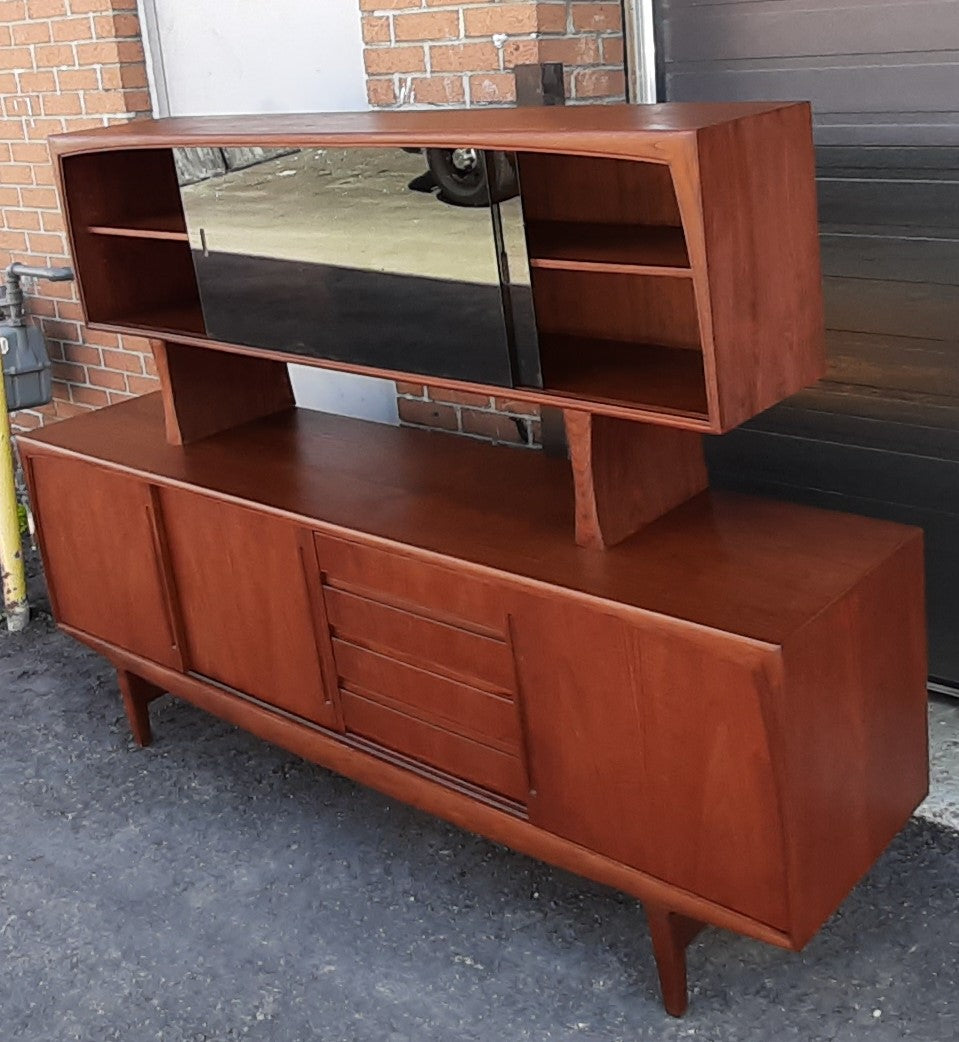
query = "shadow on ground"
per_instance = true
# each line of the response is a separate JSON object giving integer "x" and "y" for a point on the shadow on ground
{"x": 213, "y": 888}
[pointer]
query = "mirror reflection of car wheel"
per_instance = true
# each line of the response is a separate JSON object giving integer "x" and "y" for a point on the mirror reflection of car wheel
{"x": 461, "y": 176}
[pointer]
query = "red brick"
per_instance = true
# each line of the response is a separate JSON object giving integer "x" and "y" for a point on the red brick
{"x": 78, "y": 79}
{"x": 121, "y": 26}
{"x": 599, "y": 83}
{"x": 427, "y": 414}
{"x": 53, "y": 222}
{"x": 73, "y": 374}
{"x": 521, "y": 52}
{"x": 68, "y": 409}
{"x": 9, "y": 196}
{"x": 65, "y": 104}
{"x": 97, "y": 336}
{"x": 614, "y": 53}
{"x": 53, "y": 245}
{"x": 518, "y": 407}
{"x": 69, "y": 308}
{"x": 31, "y": 32}
{"x": 127, "y": 361}
{"x": 54, "y": 56}
{"x": 415, "y": 390}
{"x": 383, "y": 60}
{"x": 380, "y": 93}
{"x": 98, "y": 53}
{"x": 42, "y": 198}
{"x": 573, "y": 50}
{"x": 81, "y": 354}
{"x": 441, "y": 394}
{"x": 12, "y": 10}
{"x": 115, "y": 77}
{"x": 30, "y": 152}
{"x": 46, "y": 8}
{"x": 597, "y": 17}
{"x": 494, "y": 425}
{"x": 22, "y": 220}
{"x": 500, "y": 18}
{"x": 492, "y": 87}
{"x": 142, "y": 384}
{"x": 438, "y": 90}
{"x": 90, "y": 6}
{"x": 107, "y": 378}
{"x": 89, "y": 396}
{"x": 376, "y": 29}
{"x": 387, "y": 5}
{"x": 16, "y": 58}
{"x": 72, "y": 30}
{"x": 427, "y": 25}
{"x": 467, "y": 57}
{"x": 551, "y": 18}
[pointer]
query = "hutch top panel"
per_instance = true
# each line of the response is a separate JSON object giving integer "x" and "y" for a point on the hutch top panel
{"x": 657, "y": 263}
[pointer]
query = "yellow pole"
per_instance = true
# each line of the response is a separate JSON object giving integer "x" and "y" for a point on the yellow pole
{"x": 11, "y": 550}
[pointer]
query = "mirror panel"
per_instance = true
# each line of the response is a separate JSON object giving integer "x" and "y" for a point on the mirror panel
{"x": 386, "y": 258}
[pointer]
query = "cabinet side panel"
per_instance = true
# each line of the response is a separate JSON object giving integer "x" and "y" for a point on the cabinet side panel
{"x": 647, "y": 744}
{"x": 762, "y": 247}
{"x": 100, "y": 555}
{"x": 854, "y": 733}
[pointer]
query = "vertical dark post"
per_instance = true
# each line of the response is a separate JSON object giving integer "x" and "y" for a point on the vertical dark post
{"x": 537, "y": 85}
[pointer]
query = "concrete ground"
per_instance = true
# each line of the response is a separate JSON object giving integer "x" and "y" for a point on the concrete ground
{"x": 213, "y": 888}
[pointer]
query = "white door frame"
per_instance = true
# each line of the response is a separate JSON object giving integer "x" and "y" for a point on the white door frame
{"x": 638, "y": 18}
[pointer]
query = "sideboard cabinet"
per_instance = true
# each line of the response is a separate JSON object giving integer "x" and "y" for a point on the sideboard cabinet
{"x": 710, "y": 701}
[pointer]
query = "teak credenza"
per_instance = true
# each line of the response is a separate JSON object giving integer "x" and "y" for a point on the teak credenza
{"x": 713, "y": 702}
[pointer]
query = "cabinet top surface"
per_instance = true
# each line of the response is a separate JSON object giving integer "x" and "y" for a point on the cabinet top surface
{"x": 752, "y": 567}
{"x": 617, "y": 129}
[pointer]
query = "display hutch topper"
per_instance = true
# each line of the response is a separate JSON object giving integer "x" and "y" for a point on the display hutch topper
{"x": 713, "y": 702}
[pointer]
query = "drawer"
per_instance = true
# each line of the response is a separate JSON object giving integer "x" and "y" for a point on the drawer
{"x": 449, "y": 703}
{"x": 473, "y": 657}
{"x": 453, "y": 754}
{"x": 449, "y": 594}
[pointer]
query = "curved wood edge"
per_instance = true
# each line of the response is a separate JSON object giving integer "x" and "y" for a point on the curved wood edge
{"x": 205, "y": 393}
{"x": 617, "y": 131}
{"x": 627, "y": 474}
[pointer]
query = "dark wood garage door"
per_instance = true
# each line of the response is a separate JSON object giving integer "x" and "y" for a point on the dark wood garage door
{"x": 881, "y": 434}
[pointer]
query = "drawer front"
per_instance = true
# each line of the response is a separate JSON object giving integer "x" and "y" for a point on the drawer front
{"x": 433, "y": 746}
{"x": 463, "y": 709}
{"x": 419, "y": 640}
{"x": 443, "y": 593}
{"x": 424, "y": 662}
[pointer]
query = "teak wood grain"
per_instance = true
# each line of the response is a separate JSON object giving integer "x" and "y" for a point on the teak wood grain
{"x": 626, "y": 475}
{"x": 714, "y": 702}
{"x": 698, "y": 231}
{"x": 668, "y": 692}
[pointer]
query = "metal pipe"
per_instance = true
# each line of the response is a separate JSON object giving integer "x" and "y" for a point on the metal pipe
{"x": 15, "y": 603}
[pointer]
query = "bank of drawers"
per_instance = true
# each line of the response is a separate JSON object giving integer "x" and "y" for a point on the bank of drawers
{"x": 424, "y": 663}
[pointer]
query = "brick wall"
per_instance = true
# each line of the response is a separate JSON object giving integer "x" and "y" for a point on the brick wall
{"x": 437, "y": 52}
{"x": 65, "y": 65}
{"x": 423, "y": 53}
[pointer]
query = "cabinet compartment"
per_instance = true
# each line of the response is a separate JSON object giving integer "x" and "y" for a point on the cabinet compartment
{"x": 242, "y": 579}
{"x": 130, "y": 241}
{"x": 623, "y": 338}
{"x": 100, "y": 550}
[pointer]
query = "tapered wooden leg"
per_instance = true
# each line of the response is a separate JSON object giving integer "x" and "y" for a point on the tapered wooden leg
{"x": 137, "y": 695}
{"x": 672, "y": 933}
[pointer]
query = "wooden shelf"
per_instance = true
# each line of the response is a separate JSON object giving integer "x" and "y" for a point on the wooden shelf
{"x": 173, "y": 318}
{"x": 170, "y": 227}
{"x": 629, "y": 248}
{"x": 644, "y": 375}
